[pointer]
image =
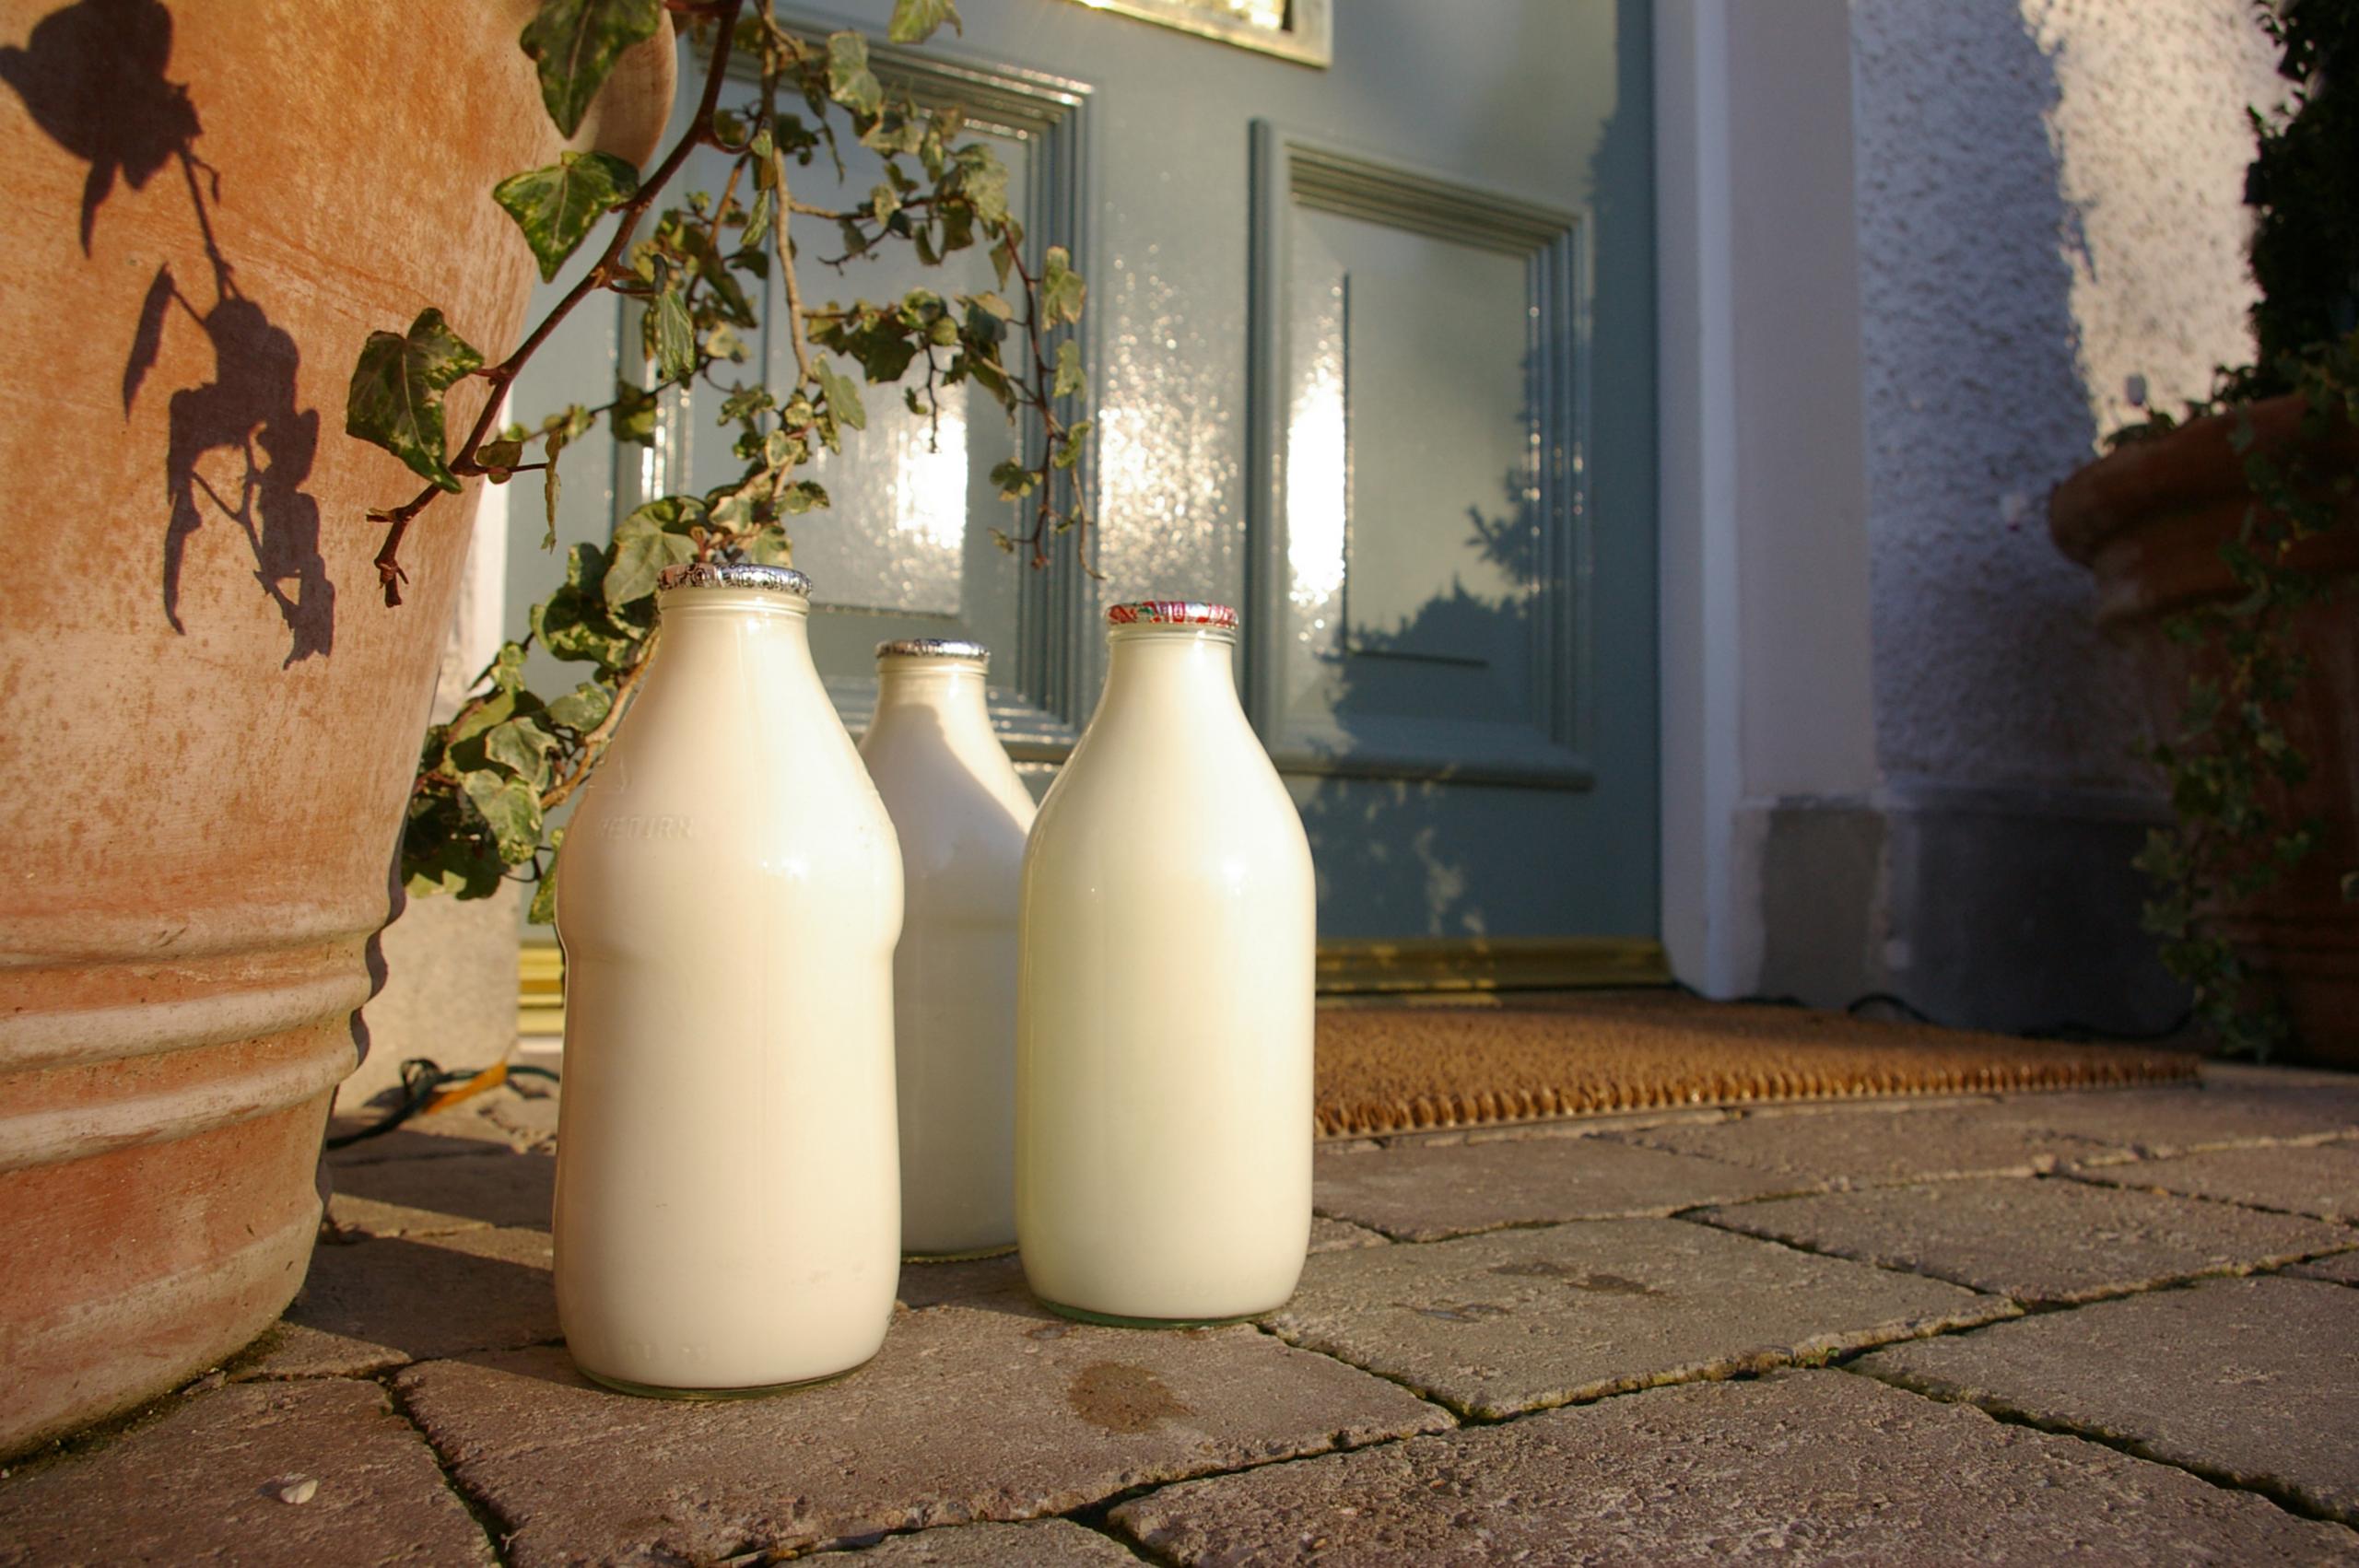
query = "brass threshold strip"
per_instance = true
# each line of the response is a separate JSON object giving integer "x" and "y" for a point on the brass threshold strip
{"x": 1444, "y": 967}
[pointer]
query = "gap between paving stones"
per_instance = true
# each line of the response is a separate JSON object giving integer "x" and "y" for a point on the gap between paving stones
{"x": 2009, "y": 1414}
{"x": 1699, "y": 1214}
{"x": 487, "y": 1518}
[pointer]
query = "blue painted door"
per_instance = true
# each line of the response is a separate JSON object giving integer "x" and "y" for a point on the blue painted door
{"x": 1370, "y": 347}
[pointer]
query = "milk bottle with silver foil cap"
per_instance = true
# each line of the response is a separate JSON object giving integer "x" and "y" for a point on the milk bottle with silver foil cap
{"x": 962, "y": 815}
{"x": 1163, "y": 1119}
{"x": 728, "y": 1213}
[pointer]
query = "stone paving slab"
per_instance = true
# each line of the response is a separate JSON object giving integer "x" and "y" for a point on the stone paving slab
{"x": 1044, "y": 1543}
{"x": 1425, "y": 1194}
{"x": 2253, "y": 1381}
{"x": 965, "y": 1416}
{"x": 2158, "y": 1122}
{"x": 1493, "y": 1325}
{"x": 2342, "y": 1268}
{"x": 202, "y": 1483}
{"x": 1338, "y": 1235}
{"x": 386, "y": 1300}
{"x": 1883, "y": 1145}
{"x": 1810, "y": 1466}
{"x": 2041, "y": 1241}
{"x": 2320, "y": 1179}
{"x": 417, "y": 1197}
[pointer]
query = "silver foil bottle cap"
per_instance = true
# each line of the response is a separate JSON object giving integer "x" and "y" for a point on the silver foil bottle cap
{"x": 932, "y": 648}
{"x": 735, "y": 574}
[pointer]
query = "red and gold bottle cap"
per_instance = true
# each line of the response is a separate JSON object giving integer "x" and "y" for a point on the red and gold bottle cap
{"x": 1172, "y": 613}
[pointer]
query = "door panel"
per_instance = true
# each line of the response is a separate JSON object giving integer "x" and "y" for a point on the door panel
{"x": 1371, "y": 348}
{"x": 1418, "y": 346}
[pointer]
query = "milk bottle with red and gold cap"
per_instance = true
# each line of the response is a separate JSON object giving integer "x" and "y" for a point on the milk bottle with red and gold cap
{"x": 1163, "y": 1113}
{"x": 728, "y": 1214}
{"x": 962, "y": 815}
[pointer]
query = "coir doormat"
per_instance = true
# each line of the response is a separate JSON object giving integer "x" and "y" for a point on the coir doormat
{"x": 1406, "y": 1068}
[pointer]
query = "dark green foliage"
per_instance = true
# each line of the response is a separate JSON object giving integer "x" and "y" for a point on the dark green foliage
{"x": 2303, "y": 188}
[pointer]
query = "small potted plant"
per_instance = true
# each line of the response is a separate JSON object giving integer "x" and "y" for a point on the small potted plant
{"x": 2224, "y": 544}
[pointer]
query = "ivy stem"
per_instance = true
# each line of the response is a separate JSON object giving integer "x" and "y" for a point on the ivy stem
{"x": 700, "y": 132}
{"x": 786, "y": 267}
{"x": 593, "y": 744}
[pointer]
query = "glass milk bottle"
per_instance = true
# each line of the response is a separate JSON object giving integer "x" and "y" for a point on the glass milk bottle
{"x": 962, "y": 815}
{"x": 1163, "y": 1090}
{"x": 728, "y": 1211}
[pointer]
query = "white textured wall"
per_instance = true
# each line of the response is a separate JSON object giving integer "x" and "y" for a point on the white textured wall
{"x": 2048, "y": 202}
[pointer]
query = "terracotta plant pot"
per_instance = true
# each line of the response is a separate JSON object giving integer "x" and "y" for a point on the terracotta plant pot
{"x": 2149, "y": 520}
{"x": 210, "y": 717}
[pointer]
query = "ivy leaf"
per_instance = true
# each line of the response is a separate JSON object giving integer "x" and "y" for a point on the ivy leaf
{"x": 770, "y": 547}
{"x": 394, "y": 400}
{"x": 512, "y": 808}
{"x": 507, "y": 669}
{"x": 544, "y": 910}
{"x": 556, "y": 441}
{"x": 576, "y": 43}
{"x": 633, "y": 416}
{"x": 646, "y": 542}
{"x": 521, "y": 746}
{"x": 1070, "y": 382}
{"x": 1062, "y": 289}
{"x": 801, "y": 497}
{"x": 584, "y": 708}
{"x": 1014, "y": 480}
{"x": 675, "y": 338}
{"x": 914, "y": 21}
{"x": 984, "y": 182}
{"x": 842, "y": 395}
{"x": 850, "y": 81}
{"x": 558, "y": 206}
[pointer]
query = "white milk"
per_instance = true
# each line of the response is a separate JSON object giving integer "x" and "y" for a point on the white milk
{"x": 1163, "y": 1119}
{"x": 962, "y": 815}
{"x": 727, "y": 896}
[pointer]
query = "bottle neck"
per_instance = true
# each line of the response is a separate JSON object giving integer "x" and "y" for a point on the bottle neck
{"x": 1191, "y": 664}
{"x": 706, "y": 631}
{"x": 952, "y": 690}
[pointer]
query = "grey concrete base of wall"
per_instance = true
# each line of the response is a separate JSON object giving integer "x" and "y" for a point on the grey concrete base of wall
{"x": 450, "y": 992}
{"x": 2011, "y": 909}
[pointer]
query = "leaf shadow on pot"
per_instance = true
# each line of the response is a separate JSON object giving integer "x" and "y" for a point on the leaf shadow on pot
{"x": 91, "y": 76}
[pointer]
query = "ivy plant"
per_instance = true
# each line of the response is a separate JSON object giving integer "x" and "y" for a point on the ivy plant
{"x": 489, "y": 779}
{"x": 2231, "y": 761}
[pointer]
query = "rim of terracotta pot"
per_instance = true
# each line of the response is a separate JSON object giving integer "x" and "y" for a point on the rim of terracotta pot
{"x": 2191, "y": 471}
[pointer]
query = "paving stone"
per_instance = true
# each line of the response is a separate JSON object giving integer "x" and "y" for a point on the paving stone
{"x": 2156, "y": 1122}
{"x": 2342, "y": 1268}
{"x": 386, "y": 1300}
{"x": 1880, "y": 1146}
{"x": 965, "y": 1416}
{"x": 430, "y": 1197}
{"x": 1335, "y": 1235}
{"x": 1802, "y": 1466}
{"x": 1425, "y": 1194}
{"x": 2038, "y": 1241}
{"x": 202, "y": 1484}
{"x": 1045, "y": 1543}
{"x": 2321, "y": 1179}
{"x": 2254, "y": 1381}
{"x": 1492, "y": 1325}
